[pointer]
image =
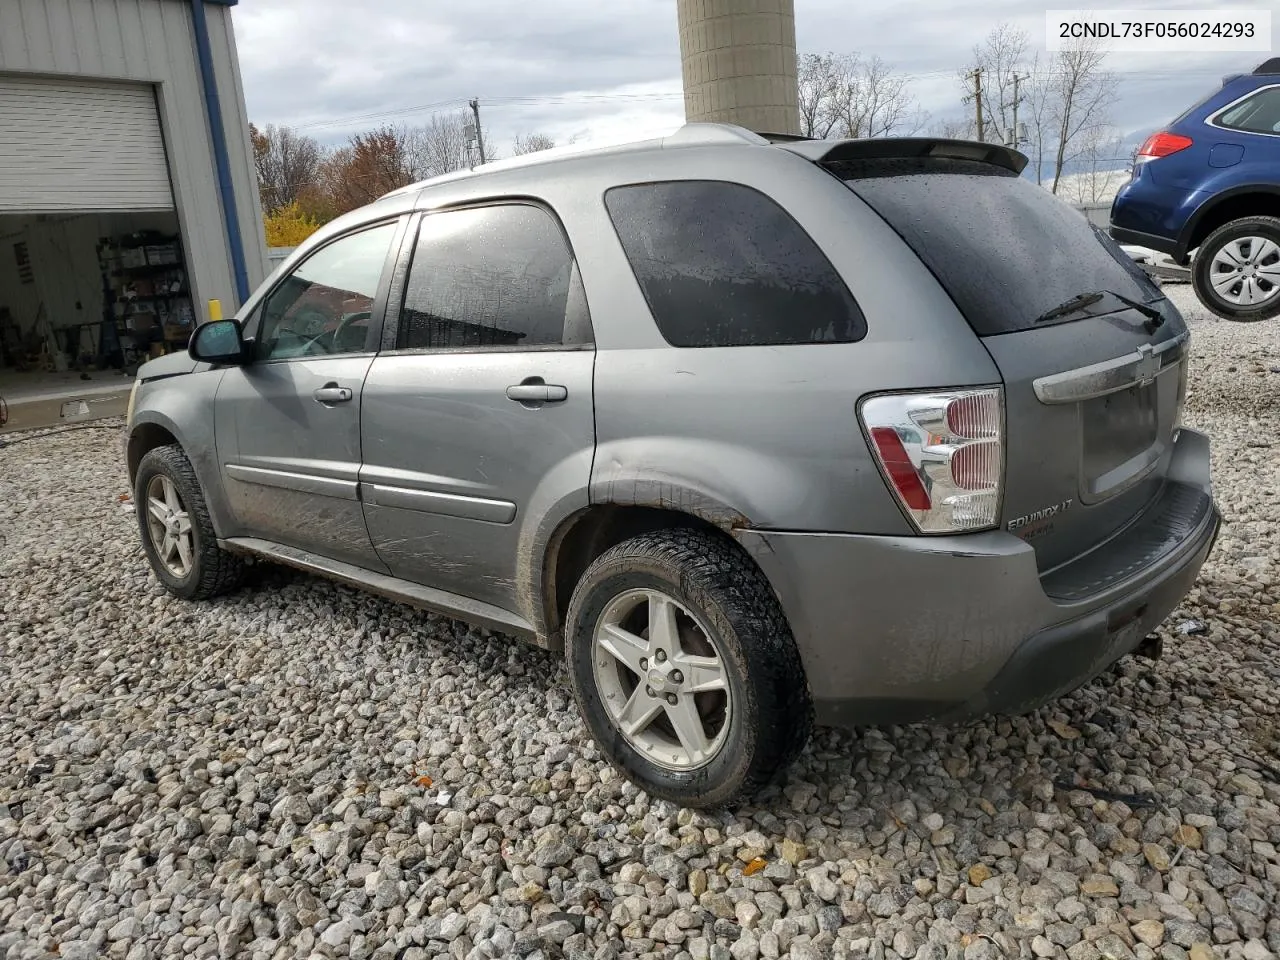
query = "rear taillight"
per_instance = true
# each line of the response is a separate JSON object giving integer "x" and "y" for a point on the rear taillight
{"x": 942, "y": 454}
{"x": 1162, "y": 144}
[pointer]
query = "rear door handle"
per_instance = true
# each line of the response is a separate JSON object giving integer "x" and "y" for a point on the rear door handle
{"x": 537, "y": 392}
{"x": 332, "y": 393}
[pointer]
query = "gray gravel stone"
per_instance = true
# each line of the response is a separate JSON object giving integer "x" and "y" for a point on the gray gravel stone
{"x": 171, "y": 770}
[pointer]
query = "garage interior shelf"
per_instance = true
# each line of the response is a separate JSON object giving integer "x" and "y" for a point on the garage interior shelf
{"x": 150, "y": 290}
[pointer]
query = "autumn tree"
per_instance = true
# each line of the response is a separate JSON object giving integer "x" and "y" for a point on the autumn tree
{"x": 289, "y": 226}
{"x": 531, "y": 143}
{"x": 299, "y": 177}
{"x": 370, "y": 165}
{"x": 847, "y": 95}
{"x": 288, "y": 165}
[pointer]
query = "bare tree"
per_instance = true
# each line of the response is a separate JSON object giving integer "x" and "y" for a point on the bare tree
{"x": 440, "y": 146}
{"x": 1039, "y": 109}
{"x": 952, "y": 128}
{"x": 1102, "y": 167}
{"x": 881, "y": 103}
{"x": 1001, "y": 56}
{"x": 288, "y": 164}
{"x": 1084, "y": 90}
{"x": 1064, "y": 99}
{"x": 844, "y": 95}
{"x": 532, "y": 143}
{"x": 825, "y": 86}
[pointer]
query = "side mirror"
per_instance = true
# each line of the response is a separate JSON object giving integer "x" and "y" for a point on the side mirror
{"x": 219, "y": 341}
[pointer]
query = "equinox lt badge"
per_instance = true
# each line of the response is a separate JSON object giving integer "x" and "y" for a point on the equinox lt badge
{"x": 1038, "y": 515}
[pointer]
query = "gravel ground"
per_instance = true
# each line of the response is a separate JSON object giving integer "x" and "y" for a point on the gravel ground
{"x": 302, "y": 771}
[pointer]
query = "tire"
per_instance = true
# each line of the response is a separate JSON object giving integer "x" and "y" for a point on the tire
{"x": 211, "y": 571}
{"x": 1219, "y": 250}
{"x": 754, "y": 727}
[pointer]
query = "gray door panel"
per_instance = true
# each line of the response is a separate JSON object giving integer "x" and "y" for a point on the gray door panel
{"x": 457, "y": 474}
{"x": 292, "y": 475}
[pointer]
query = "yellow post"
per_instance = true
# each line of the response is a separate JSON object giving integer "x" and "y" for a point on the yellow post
{"x": 215, "y": 310}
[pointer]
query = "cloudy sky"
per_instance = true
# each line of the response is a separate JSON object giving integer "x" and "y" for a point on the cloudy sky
{"x": 604, "y": 70}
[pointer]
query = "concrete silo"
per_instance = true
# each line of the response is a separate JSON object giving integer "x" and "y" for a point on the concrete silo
{"x": 739, "y": 63}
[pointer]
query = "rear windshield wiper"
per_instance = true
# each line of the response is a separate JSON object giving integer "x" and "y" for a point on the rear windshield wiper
{"x": 1070, "y": 306}
{"x": 1154, "y": 316}
{"x": 1078, "y": 303}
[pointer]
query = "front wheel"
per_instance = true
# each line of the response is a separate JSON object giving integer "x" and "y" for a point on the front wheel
{"x": 177, "y": 534}
{"x": 685, "y": 669}
{"x": 1237, "y": 270}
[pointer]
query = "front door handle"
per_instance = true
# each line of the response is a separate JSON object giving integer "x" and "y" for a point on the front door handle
{"x": 537, "y": 392}
{"x": 332, "y": 393}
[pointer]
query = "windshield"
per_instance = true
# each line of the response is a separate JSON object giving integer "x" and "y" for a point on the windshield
{"x": 1005, "y": 249}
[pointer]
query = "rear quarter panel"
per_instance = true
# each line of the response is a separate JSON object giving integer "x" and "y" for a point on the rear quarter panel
{"x": 762, "y": 436}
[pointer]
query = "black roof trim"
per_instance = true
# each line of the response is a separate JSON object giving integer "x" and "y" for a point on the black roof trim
{"x": 901, "y": 148}
{"x": 783, "y": 137}
{"x": 1268, "y": 67}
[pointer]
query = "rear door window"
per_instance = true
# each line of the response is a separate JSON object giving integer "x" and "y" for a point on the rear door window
{"x": 722, "y": 265}
{"x": 499, "y": 276}
{"x": 1005, "y": 249}
{"x": 1259, "y": 114}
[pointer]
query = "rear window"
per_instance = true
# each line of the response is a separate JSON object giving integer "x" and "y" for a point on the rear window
{"x": 1005, "y": 249}
{"x": 722, "y": 265}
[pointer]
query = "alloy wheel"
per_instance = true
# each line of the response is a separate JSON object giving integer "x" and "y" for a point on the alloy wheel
{"x": 169, "y": 526}
{"x": 661, "y": 679}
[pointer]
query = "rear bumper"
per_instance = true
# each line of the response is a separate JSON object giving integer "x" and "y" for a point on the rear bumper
{"x": 903, "y": 629}
{"x": 1148, "y": 214}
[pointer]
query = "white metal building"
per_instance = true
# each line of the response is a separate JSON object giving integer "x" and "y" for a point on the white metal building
{"x": 128, "y": 195}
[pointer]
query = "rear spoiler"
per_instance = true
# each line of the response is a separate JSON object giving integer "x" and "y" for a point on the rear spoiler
{"x": 906, "y": 148}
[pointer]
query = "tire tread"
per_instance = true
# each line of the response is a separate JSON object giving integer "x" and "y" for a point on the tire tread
{"x": 218, "y": 572}
{"x": 710, "y": 564}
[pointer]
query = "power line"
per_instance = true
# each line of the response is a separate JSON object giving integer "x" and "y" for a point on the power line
{"x": 559, "y": 99}
{"x": 553, "y": 99}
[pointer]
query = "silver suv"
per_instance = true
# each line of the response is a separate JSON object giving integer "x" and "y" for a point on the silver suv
{"x": 760, "y": 434}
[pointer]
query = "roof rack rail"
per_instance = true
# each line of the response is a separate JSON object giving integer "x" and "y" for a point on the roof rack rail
{"x": 1268, "y": 67}
{"x": 904, "y": 148}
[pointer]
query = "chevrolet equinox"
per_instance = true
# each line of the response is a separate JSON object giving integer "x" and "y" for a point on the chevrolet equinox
{"x": 759, "y": 432}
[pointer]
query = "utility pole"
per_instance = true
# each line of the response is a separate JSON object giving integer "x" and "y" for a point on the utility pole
{"x": 1014, "y": 137}
{"x": 475, "y": 110}
{"x": 976, "y": 96}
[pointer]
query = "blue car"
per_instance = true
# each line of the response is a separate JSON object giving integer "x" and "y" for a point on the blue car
{"x": 1206, "y": 191}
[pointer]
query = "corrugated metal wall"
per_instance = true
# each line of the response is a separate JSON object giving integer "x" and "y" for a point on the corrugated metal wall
{"x": 151, "y": 41}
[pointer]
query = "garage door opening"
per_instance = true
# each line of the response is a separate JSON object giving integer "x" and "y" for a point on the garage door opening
{"x": 93, "y": 279}
{"x": 88, "y": 297}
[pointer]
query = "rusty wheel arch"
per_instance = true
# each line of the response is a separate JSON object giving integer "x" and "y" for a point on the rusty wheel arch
{"x": 585, "y": 535}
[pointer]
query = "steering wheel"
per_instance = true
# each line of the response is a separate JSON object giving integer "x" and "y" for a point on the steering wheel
{"x": 339, "y": 346}
{"x": 317, "y": 345}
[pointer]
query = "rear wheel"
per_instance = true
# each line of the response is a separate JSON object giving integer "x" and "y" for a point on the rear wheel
{"x": 177, "y": 534}
{"x": 685, "y": 669}
{"x": 1237, "y": 270}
